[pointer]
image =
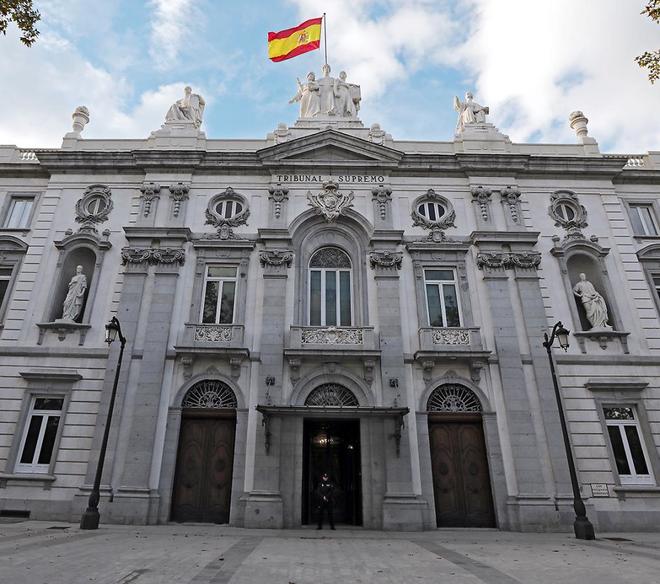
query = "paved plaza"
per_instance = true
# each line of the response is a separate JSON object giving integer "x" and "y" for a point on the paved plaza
{"x": 50, "y": 552}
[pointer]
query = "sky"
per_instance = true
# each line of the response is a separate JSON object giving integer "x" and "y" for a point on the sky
{"x": 531, "y": 61}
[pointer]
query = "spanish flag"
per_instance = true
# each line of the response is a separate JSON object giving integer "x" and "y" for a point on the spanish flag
{"x": 295, "y": 41}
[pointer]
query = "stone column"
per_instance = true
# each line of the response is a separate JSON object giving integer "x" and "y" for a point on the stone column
{"x": 264, "y": 506}
{"x": 536, "y": 324}
{"x": 402, "y": 509}
{"x": 135, "y": 501}
{"x": 531, "y": 504}
{"x": 128, "y": 313}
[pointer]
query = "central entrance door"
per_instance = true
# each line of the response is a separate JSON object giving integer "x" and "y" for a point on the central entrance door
{"x": 332, "y": 446}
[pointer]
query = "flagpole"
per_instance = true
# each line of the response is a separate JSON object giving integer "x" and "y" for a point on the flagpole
{"x": 325, "y": 39}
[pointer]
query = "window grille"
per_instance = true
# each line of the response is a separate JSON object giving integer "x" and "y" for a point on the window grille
{"x": 210, "y": 394}
{"x": 453, "y": 398}
{"x": 331, "y": 394}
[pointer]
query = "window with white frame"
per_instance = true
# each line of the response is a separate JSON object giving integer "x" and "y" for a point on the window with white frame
{"x": 18, "y": 213}
{"x": 219, "y": 295}
{"x": 330, "y": 288}
{"x": 630, "y": 455}
{"x": 442, "y": 302}
{"x": 5, "y": 278}
{"x": 38, "y": 440}
{"x": 643, "y": 219}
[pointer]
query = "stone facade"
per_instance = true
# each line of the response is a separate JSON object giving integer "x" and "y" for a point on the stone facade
{"x": 145, "y": 219}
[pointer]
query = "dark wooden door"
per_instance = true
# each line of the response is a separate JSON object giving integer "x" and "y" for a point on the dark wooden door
{"x": 202, "y": 481}
{"x": 461, "y": 482}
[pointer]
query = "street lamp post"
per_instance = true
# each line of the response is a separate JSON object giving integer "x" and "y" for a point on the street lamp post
{"x": 90, "y": 518}
{"x": 582, "y": 526}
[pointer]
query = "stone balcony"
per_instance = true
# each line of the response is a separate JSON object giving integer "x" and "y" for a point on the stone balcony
{"x": 442, "y": 344}
{"x": 327, "y": 344}
{"x": 225, "y": 340}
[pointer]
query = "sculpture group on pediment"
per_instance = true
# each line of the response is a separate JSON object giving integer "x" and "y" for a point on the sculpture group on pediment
{"x": 328, "y": 96}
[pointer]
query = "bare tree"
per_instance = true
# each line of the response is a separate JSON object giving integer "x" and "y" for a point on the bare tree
{"x": 24, "y": 15}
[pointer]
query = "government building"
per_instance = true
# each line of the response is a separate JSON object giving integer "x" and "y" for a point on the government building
{"x": 330, "y": 299}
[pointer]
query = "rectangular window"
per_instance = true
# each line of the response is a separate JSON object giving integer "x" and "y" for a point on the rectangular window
{"x": 330, "y": 297}
{"x": 38, "y": 441}
{"x": 629, "y": 451}
{"x": 643, "y": 220}
{"x": 5, "y": 278}
{"x": 219, "y": 295}
{"x": 442, "y": 297}
{"x": 18, "y": 214}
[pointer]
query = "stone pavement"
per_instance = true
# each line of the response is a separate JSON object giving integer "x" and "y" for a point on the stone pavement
{"x": 50, "y": 552}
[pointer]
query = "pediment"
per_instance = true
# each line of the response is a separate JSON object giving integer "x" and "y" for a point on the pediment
{"x": 332, "y": 148}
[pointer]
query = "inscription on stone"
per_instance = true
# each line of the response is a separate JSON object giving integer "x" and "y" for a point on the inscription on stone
{"x": 320, "y": 178}
{"x": 600, "y": 490}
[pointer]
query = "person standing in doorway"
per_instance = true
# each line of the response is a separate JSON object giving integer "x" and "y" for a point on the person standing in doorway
{"x": 326, "y": 493}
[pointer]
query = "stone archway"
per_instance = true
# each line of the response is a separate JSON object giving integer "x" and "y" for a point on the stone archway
{"x": 203, "y": 476}
{"x": 461, "y": 479}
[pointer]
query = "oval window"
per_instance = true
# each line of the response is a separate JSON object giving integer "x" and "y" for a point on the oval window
{"x": 431, "y": 210}
{"x": 228, "y": 208}
{"x": 95, "y": 205}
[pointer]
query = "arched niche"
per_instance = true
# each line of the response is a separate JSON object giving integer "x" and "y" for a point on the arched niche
{"x": 579, "y": 255}
{"x": 583, "y": 263}
{"x": 86, "y": 249}
{"x": 81, "y": 256}
{"x": 346, "y": 233}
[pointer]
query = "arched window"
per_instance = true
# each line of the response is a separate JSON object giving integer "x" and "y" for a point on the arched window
{"x": 330, "y": 288}
{"x": 331, "y": 394}
{"x": 210, "y": 394}
{"x": 453, "y": 398}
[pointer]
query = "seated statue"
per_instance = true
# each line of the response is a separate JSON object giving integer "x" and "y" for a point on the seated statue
{"x": 190, "y": 108}
{"x": 469, "y": 112}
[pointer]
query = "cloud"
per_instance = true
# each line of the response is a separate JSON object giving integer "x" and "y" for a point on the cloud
{"x": 382, "y": 42}
{"x": 44, "y": 84}
{"x": 170, "y": 27}
{"x": 535, "y": 62}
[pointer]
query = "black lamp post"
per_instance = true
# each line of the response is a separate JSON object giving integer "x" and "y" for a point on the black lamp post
{"x": 582, "y": 526}
{"x": 90, "y": 518}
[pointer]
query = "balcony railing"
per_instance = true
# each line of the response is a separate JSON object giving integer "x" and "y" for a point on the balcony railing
{"x": 212, "y": 335}
{"x": 448, "y": 339}
{"x": 331, "y": 337}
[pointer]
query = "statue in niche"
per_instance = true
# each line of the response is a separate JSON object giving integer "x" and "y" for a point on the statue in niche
{"x": 593, "y": 303}
{"x": 327, "y": 97}
{"x": 469, "y": 112}
{"x": 75, "y": 297}
{"x": 190, "y": 108}
{"x": 308, "y": 96}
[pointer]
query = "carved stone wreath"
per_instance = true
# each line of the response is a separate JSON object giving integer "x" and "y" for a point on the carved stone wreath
{"x": 508, "y": 261}
{"x": 276, "y": 257}
{"x": 331, "y": 394}
{"x": 93, "y": 207}
{"x": 438, "y": 226}
{"x": 152, "y": 256}
{"x": 574, "y": 224}
{"x": 385, "y": 259}
{"x": 453, "y": 398}
{"x": 224, "y": 224}
{"x": 210, "y": 394}
{"x": 330, "y": 202}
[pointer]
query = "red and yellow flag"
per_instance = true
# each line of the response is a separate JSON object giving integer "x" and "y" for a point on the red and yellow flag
{"x": 295, "y": 41}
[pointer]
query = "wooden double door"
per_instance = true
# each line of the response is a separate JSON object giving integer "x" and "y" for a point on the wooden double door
{"x": 461, "y": 481}
{"x": 205, "y": 459}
